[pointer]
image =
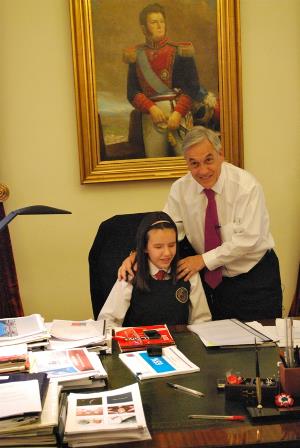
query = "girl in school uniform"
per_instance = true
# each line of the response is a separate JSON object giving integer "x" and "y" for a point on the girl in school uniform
{"x": 153, "y": 295}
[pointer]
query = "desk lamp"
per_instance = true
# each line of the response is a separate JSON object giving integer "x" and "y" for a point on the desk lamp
{"x": 32, "y": 210}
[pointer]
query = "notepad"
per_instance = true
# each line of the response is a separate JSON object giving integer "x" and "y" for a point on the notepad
{"x": 172, "y": 362}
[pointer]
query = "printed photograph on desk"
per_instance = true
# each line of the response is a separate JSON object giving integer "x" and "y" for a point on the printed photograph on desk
{"x": 137, "y": 338}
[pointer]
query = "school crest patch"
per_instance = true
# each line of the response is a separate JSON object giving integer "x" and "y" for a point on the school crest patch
{"x": 182, "y": 295}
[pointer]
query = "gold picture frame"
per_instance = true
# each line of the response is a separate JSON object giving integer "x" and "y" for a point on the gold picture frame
{"x": 92, "y": 168}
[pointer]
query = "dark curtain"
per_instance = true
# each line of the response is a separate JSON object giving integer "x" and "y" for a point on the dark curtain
{"x": 10, "y": 300}
{"x": 295, "y": 308}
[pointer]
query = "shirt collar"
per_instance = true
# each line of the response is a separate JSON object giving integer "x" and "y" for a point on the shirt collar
{"x": 154, "y": 270}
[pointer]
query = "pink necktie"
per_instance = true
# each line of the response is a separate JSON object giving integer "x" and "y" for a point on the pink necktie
{"x": 212, "y": 237}
{"x": 160, "y": 275}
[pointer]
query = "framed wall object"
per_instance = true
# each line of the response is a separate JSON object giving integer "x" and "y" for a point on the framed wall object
{"x": 201, "y": 41}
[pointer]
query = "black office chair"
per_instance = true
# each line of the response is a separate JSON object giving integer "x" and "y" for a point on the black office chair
{"x": 114, "y": 240}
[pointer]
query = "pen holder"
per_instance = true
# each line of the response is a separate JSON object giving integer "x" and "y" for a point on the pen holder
{"x": 290, "y": 380}
{"x": 246, "y": 391}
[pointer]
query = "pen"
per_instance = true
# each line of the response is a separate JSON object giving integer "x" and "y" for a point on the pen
{"x": 282, "y": 358}
{"x": 258, "y": 380}
{"x": 186, "y": 389}
{"x": 238, "y": 418}
{"x": 291, "y": 343}
{"x": 297, "y": 356}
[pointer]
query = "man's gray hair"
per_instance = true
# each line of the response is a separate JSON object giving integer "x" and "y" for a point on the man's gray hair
{"x": 199, "y": 133}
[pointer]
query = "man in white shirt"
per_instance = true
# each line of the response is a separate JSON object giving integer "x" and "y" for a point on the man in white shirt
{"x": 250, "y": 286}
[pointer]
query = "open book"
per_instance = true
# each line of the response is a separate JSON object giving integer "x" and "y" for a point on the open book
{"x": 228, "y": 333}
{"x": 172, "y": 362}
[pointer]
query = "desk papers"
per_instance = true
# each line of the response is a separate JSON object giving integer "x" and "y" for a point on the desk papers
{"x": 116, "y": 416}
{"x": 28, "y": 329}
{"x": 68, "y": 366}
{"x": 19, "y": 398}
{"x": 172, "y": 362}
{"x": 94, "y": 335}
{"x": 228, "y": 333}
{"x": 13, "y": 358}
{"x": 39, "y": 432}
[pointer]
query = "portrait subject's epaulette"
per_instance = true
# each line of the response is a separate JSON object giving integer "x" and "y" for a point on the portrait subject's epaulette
{"x": 129, "y": 55}
{"x": 184, "y": 49}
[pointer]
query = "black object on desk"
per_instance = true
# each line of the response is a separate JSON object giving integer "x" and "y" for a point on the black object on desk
{"x": 245, "y": 392}
{"x": 32, "y": 210}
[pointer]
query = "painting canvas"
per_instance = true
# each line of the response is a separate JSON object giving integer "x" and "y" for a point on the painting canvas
{"x": 191, "y": 27}
{"x": 197, "y": 58}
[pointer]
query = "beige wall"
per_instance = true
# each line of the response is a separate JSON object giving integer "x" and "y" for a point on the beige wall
{"x": 38, "y": 147}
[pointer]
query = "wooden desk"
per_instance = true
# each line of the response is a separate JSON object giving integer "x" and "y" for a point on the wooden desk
{"x": 166, "y": 409}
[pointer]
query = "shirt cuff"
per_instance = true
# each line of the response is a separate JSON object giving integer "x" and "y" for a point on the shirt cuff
{"x": 210, "y": 260}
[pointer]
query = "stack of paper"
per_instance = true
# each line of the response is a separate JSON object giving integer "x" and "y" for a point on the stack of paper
{"x": 94, "y": 335}
{"x": 102, "y": 418}
{"x": 172, "y": 362}
{"x": 73, "y": 368}
{"x": 28, "y": 329}
{"x": 32, "y": 432}
{"x": 229, "y": 333}
{"x": 21, "y": 398}
{"x": 14, "y": 358}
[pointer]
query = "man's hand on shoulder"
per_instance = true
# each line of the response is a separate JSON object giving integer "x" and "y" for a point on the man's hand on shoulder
{"x": 128, "y": 267}
{"x": 189, "y": 266}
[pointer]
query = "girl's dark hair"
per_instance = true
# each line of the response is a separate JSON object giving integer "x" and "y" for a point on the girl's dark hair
{"x": 153, "y": 220}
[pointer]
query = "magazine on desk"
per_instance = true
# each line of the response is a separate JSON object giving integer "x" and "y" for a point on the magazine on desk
{"x": 138, "y": 338}
{"x": 116, "y": 416}
{"x": 172, "y": 362}
{"x": 230, "y": 333}
{"x": 75, "y": 366}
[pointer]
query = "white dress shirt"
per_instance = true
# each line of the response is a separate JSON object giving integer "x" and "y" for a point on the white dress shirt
{"x": 242, "y": 213}
{"x": 118, "y": 301}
